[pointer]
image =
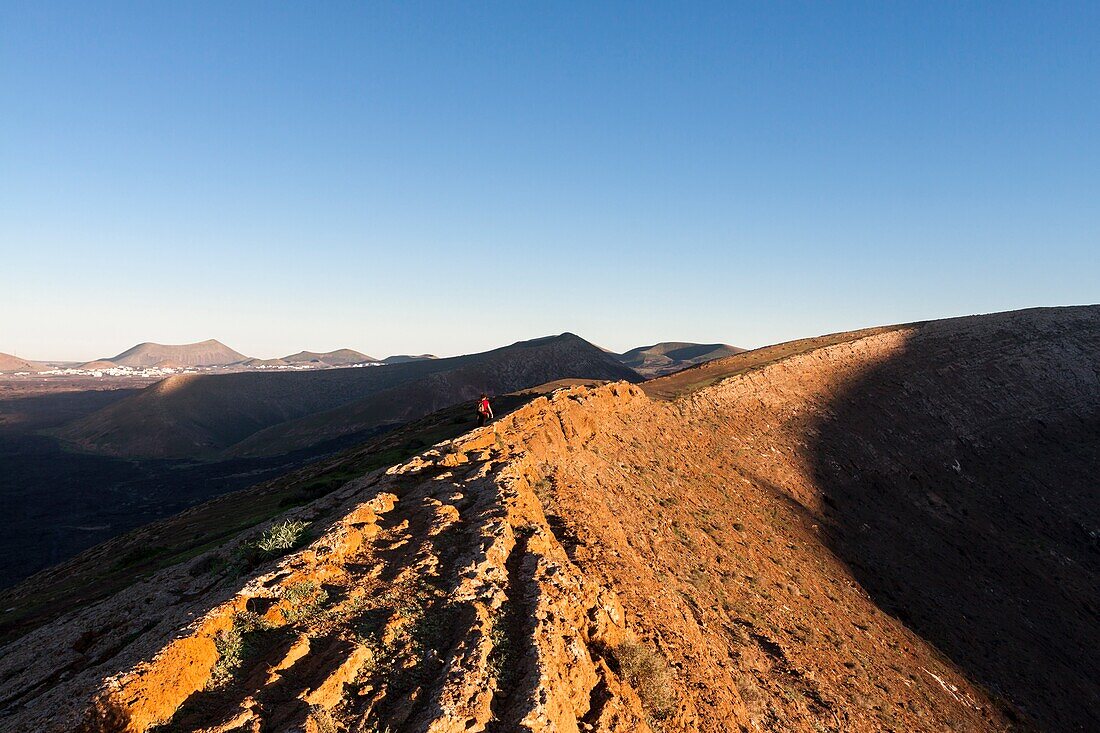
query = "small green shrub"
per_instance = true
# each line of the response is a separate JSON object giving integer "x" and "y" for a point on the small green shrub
{"x": 305, "y": 598}
{"x": 249, "y": 621}
{"x": 280, "y": 538}
{"x": 543, "y": 488}
{"x": 648, "y": 673}
{"x": 501, "y": 648}
{"x": 232, "y": 645}
{"x": 229, "y": 644}
{"x": 322, "y": 720}
{"x": 274, "y": 541}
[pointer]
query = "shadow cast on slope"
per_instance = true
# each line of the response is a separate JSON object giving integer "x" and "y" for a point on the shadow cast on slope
{"x": 960, "y": 485}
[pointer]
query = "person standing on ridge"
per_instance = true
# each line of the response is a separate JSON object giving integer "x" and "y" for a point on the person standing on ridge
{"x": 484, "y": 411}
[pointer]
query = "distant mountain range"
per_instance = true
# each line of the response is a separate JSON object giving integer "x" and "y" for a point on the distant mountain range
{"x": 672, "y": 356}
{"x": 209, "y": 353}
{"x": 266, "y": 413}
{"x": 214, "y": 353}
{"x": 649, "y": 361}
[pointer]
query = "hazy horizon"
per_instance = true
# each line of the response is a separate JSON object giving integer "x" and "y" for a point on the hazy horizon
{"x": 370, "y": 352}
{"x": 384, "y": 354}
{"x": 451, "y": 178}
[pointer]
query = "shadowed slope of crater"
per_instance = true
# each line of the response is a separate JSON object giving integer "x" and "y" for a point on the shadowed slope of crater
{"x": 960, "y": 483}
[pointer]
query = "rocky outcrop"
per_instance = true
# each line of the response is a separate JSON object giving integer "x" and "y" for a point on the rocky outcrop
{"x": 444, "y": 600}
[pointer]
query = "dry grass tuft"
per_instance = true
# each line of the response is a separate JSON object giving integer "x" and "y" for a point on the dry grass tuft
{"x": 648, "y": 673}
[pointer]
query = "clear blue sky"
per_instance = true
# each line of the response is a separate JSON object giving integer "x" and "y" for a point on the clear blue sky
{"x": 449, "y": 177}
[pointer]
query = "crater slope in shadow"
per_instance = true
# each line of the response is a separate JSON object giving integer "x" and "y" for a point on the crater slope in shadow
{"x": 960, "y": 483}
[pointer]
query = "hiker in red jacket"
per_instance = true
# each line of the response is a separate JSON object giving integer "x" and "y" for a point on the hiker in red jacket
{"x": 484, "y": 411}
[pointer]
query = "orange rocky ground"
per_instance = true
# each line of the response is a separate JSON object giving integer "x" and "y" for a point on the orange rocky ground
{"x": 604, "y": 560}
